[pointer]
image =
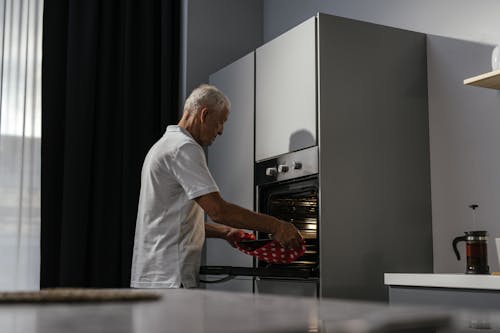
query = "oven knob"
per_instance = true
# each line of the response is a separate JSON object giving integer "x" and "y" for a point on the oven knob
{"x": 282, "y": 168}
{"x": 271, "y": 171}
{"x": 297, "y": 165}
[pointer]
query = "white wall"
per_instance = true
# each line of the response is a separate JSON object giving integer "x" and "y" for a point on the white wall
{"x": 216, "y": 33}
{"x": 463, "y": 19}
{"x": 464, "y": 130}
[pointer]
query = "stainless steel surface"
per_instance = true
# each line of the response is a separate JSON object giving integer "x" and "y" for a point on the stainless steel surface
{"x": 477, "y": 238}
{"x": 305, "y": 163}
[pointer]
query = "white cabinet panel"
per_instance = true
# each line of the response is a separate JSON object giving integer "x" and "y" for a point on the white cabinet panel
{"x": 286, "y": 92}
{"x": 231, "y": 158}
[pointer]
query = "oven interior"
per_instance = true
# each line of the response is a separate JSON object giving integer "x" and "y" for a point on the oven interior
{"x": 294, "y": 201}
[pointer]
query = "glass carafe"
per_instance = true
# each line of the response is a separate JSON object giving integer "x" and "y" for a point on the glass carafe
{"x": 476, "y": 244}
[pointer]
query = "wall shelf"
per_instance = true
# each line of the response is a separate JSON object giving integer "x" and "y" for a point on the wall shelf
{"x": 487, "y": 80}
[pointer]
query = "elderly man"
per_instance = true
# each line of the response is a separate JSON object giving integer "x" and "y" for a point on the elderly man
{"x": 177, "y": 188}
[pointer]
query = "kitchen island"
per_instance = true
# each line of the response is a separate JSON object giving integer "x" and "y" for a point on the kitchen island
{"x": 183, "y": 310}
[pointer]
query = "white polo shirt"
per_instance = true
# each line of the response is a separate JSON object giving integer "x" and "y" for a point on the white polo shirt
{"x": 170, "y": 228}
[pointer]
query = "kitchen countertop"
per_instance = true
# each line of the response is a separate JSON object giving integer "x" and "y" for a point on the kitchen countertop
{"x": 462, "y": 281}
{"x": 183, "y": 310}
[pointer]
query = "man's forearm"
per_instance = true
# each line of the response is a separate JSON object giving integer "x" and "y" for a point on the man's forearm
{"x": 235, "y": 216}
{"x": 239, "y": 217}
{"x": 215, "y": 231}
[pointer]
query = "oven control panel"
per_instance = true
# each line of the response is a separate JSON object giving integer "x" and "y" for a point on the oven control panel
{"x": 287, "y": 166}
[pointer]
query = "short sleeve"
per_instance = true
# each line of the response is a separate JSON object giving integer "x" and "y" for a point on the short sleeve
{"x": 190, "y": 168}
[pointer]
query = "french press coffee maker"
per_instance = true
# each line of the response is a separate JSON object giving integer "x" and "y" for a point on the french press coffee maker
{"x": 476, "y": 244}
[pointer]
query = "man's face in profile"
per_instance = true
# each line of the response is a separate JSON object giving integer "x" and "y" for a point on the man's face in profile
{"x": 212, "y": 125}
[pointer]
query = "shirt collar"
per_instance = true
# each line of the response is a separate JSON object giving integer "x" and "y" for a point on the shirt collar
{"x": 177, "y": 128}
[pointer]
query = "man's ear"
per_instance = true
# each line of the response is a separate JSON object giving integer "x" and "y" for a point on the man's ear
{"x": 203, "y": 114}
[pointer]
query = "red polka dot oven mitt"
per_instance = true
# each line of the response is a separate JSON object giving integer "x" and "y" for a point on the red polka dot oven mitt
{"x": 271, "y": 251}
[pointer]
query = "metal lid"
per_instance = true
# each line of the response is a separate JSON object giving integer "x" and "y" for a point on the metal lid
{"x": 476, "y": 233}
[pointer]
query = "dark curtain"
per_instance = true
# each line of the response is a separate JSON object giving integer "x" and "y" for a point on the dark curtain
{"x": 109, "y": 89}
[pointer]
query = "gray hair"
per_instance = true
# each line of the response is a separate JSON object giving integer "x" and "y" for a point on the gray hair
{"x": 206, "y": 96}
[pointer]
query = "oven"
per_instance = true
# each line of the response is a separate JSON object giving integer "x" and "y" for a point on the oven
{"x": 287, "y": 187}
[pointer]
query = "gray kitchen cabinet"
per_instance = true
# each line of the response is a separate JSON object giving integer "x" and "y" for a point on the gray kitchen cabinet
{"x": 355, "y": 94}
{"x": 358, "y": 91}
{"x": 285, "y": 93}
{"x": 230, "y": 159}
{"x": 473, "y": 291}
{"x": 375, "y": 196}
{"x": 451, "y": 297}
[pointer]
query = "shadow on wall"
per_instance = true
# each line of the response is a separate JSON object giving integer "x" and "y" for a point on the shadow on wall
{"x": 301, "y": 139}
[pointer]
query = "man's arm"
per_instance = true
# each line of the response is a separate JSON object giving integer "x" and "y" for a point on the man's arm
{"x": 216, "y": 230}
{"x": 229, "y": 214}
{"x": 231, "y": 235}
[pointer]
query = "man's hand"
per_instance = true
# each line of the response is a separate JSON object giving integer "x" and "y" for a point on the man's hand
{"x": 233, "y": 236}
{"x": 288, "y": 235}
